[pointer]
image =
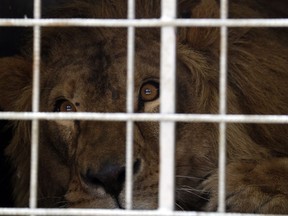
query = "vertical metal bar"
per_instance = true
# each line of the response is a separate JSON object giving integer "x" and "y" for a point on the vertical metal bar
{"x": 167, "y": 105}
{"x": 130, "y": 107}
{"x": 35, "y": 107}
{"x": 223, "y": 110}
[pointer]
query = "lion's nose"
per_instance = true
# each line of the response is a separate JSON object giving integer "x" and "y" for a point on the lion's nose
{"x": 111, "y": 177}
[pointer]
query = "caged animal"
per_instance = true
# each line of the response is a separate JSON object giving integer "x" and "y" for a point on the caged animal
{"x": 84, "y": 70}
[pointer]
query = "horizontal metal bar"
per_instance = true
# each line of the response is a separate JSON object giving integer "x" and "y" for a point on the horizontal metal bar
{"x": 145, "y": 22}
{"x": 115, "y": 212}
{"x": 269, "y": 119}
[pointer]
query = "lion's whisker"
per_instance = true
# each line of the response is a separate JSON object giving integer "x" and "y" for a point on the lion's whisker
{"x": 189, "y": 177}
{"x": 193, "y": 191}
{"x": 179, "y": 206}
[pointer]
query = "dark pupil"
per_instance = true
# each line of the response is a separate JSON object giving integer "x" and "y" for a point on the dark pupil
{"x": 148, "y": 91}
{"x": 69, "y": 108}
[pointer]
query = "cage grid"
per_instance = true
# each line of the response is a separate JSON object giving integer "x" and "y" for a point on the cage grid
{"x": 167, "y": 117}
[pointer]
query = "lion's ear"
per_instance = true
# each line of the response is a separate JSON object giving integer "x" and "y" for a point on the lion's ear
{"x": 15, "y": 84}
{"x": 202, "y": 38}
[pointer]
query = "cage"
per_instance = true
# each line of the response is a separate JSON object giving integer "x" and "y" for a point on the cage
{"x": 20, "y": 17}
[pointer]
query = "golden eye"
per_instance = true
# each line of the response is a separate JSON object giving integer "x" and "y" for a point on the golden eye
{"x": 149, "y": 91}
{"x": 64, "y": 106}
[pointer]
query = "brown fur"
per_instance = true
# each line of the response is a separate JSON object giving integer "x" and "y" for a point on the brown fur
{"x": 87, "y": 66}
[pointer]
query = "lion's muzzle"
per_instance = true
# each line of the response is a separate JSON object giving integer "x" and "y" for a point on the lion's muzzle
{"x": 111, "y": 177}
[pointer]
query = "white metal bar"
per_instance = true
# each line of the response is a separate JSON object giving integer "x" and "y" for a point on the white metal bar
{"x": 222, "y": 109}
{"x": 167, "y": 105}
{"x": 130, "y": 107}
{"x": 110, "y": 212}
{"x": 146, "y": 22}
{"x": 35, "y": 107}
{"x": 222, "y": 168}
{"x": 34, "y": 163}
{"x": 269, "y": 119}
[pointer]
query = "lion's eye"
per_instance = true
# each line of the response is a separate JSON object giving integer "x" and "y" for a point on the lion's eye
{"x": 64, "y": 106}
{"x": 149, "y": 91}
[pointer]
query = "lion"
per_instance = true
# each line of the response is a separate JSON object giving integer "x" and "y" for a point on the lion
{"x": 82, "y": 163}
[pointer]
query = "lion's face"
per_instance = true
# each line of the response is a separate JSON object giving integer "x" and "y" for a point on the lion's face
{"x": 94, "y": 80}
{"x": 93, "y": 152}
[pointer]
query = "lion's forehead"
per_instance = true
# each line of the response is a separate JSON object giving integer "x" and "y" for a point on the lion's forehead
{"x": 94, "y": 71}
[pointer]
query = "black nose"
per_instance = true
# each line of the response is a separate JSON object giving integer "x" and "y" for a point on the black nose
{"x": 111, "y": 177}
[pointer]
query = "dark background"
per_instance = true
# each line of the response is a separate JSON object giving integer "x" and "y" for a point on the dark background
{"x": 11, "y": 38}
